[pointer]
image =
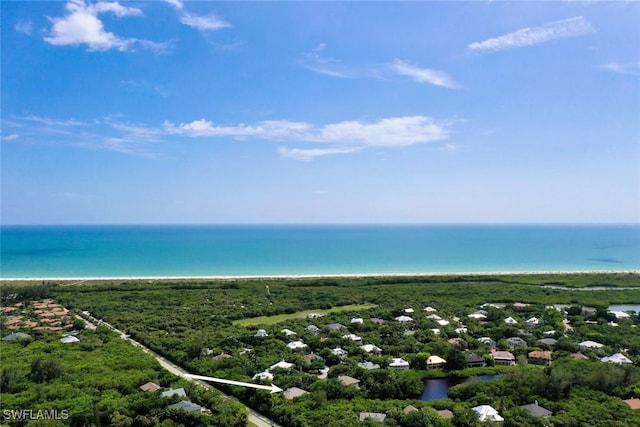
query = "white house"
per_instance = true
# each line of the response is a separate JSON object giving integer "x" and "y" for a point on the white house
{"x": 533, "y": 320}
{"x": 620, "y": 314}
{"x": 70, "y": 339}
{"x": 399, "y": 363}
{"x": 430, "y": 309}
{"x": 294, "y": 345}
{"x": 442, "y": 322}
{"x": 288, "y": 332}
{"x": 409, "y": 310}
{"x": 618, "y": 358}
{"x": 435, "y": 362}
{"x": 404, "y": 319}
{"x": 261, "y": 333}
{"x": 434, "y": 317}
{"x": 357, "y": 321}
{"x": 477, "y": 316}
{"x": 264, "y": 375}
{"x": 586, "y": 345}
{"x": 352, "y": 337}
{"x": 282, "y": 365}
{"x": 510, "y": 321}
{"x": 339, "y": 352}
{"x": 487, "y": 413}
{"x": 370, "y": 348}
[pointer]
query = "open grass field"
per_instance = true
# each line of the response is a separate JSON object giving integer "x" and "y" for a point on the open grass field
{"x": 269, "y": 320}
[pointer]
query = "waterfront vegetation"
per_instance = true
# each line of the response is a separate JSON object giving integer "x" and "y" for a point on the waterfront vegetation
{"x": 210, "y": 328}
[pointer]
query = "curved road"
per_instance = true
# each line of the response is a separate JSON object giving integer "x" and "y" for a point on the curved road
{"x": 254, "y": 417}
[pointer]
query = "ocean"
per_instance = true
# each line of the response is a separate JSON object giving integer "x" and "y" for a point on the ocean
{"x": 274, "y": 250}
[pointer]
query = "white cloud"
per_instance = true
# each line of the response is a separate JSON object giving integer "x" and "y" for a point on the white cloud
{"x": 25, "y": 27}
{"x": 343, "y": 137}
{"x": 11, "y": 137}
{"x": 53, "y": 122}
{"x": 175, "y": 3}
{"x": 81, "y": 26}
{"x": 423, "y": 75}
{"x": 572, "y": 27}
{"x": 628, "y": 68}
{"x": 204, "y": 23}
{"x": 308, "y": 154}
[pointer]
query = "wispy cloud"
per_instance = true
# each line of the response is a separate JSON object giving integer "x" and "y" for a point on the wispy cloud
{"x": 625, "y": 68}
{"x": 343, "y": 137}
{"x": 11, "y": 137}
{"x": 25, "y": 27}
{"x": 423, "y": 75}
{"x": 82, "y": 26}
{"x": 204, "y": 23}
{"x": 317, "y": 62}
{"x": 572, "y": 27}
{"x": 175, "y": 3}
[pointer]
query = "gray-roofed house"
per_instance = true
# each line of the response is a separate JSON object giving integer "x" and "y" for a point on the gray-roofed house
{"x": 618, "y": 358}
{"x": 313, "y": 329}
{"x": 68, "y": 340}
{"x": 185, "y": 405}
{"x": 334, "y": 327}
{"x": 368, "y": 365}
{"x": 374, "y": 416}
{"x": 174, "y": 392}
{"x": 516, "y": 342}
{"x": 536, "y": 410}
{"x": 293, "y": 392}
{"x": 475, "y": 361}
{"x": 549, "y": 341}
{"x": 16, "y": 336}
{"x": 503, "y": 358}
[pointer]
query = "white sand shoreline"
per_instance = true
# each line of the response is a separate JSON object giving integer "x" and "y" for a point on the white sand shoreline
{"x": 318, "y": 276}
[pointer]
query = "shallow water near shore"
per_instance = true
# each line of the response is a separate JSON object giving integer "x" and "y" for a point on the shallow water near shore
{"x": 191, "y": 251}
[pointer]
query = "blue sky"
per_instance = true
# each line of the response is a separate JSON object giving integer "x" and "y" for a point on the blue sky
{"x": 320, "y": 112}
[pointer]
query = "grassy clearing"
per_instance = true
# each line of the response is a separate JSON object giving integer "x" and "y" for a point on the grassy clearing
{"x": 269, "y": 320}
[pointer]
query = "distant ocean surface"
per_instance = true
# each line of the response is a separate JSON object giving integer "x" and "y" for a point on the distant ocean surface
{"x": 204, "y": 250}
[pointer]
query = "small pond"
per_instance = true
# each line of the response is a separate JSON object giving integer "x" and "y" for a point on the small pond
{"x": 437, "y": 388}
{"x": 624, "y": 307}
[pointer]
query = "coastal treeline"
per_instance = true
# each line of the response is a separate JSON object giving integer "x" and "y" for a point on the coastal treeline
{"x": 199, "y": 325}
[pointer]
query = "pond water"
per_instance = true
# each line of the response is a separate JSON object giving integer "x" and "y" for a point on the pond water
{"x": 437, "y": 388}
{"x": 624, "y": 307}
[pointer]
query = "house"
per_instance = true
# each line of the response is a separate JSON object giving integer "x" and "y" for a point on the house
{"x": 446, "y": 414}
{"x": 488, "y": 341}
{"x": 404, "y": 319}
{"x": 185, "y": 405}
{"x": 346, "y": 380}
{"x": 435, "y": 362}
{"x": 16, "y": 336}
{"x": 409, "y": 310}
{"x": 510, "y": 321}
{"x": 293, "y": 392}
{"x": 261, "y": 333}
{"x": 520, "y": 305}
{"x": 374, "y": 416}
{"x": 461, "y": 330}
{"x": 434, "y": 317}
{"x": 634, "y": 403}
{"x": 174, "y": 392}
{"x": 339, "y": 352}
{"x": 264, "y": 375}
{"x": 475, "y": 361}
{"x": 313, "y": 329}
{"x": 430, "y": 309}
{"x": 588, "y": 345}
{"x": 488, "y": 413}
{"x": 69, "y": 340}
{"x": 457, "y": 342}
{"x": 294, "y": 345}
{"x": 71, "y": 333}
{"x": 411, "y": 333}
{"x": 378, "y": 321}
{"x": 618, "y": 358}
{"x": 503, "y": 358}
{"x": 579, "y": 356}
{"x": 548, "y": 341}
{"x": 370, "y": 348}
{"x": 442, "y": 322}
{"x": 408, "y": 409}
{"x": 620, "y": 314}
{"x": 435, "y": 331}
{"x": 282, "y": 365}
{"x": 533, "y": 321}
{"x": 357, "y": 321}
{"x": 352, "y": 337}
{"x": 288, "y": 332}
{"x": 334, "y": 327}
{"x": 311, "y": 357}
{"x": 536, "y": 410}
{"x": 220, "y": 357}
{"x": 314, "y": 315}
{"x": 149, "y": 387}
{"x": 515, "y": 342}
{"x": 539, "y": 357}
{"x": 477, "y": 316}
{"x": 399, "y": 363}
{"x": 368, "y": 365}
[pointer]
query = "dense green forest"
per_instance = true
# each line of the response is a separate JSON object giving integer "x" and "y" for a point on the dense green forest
{"x": 192, "y": 324}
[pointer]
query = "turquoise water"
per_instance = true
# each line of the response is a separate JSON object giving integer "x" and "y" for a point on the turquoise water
{"x": 148, "y": 251}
